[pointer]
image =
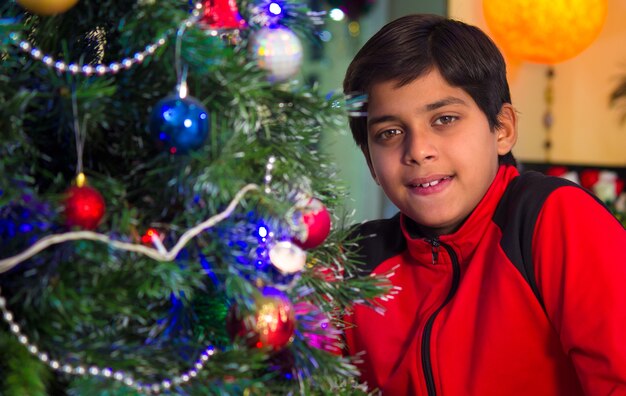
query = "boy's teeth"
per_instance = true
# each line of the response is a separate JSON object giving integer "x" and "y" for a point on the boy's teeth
{"x": 430, "y": 184}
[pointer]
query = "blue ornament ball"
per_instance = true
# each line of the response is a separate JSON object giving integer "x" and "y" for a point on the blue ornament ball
{"x": 179, "y": 124}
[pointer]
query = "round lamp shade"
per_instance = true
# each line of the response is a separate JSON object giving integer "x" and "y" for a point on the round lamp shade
{"x": 545, "y": 31}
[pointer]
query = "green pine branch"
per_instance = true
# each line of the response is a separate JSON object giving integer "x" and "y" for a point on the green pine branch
{"x": 87, "y": 303}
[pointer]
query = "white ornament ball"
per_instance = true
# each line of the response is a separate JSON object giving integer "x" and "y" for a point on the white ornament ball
{"x": 287, "y": 257}
{"x": 278, "y": 51}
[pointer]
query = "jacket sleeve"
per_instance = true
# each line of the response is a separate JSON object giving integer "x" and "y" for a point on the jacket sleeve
{"x": 579, "y": 251}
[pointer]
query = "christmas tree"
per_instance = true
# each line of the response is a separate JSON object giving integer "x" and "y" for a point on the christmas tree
{"x": 165, "y": 210}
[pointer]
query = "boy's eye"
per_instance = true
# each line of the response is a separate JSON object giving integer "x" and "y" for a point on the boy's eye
{"x": 388, "y": 134}
{"x": 445, "y": 120}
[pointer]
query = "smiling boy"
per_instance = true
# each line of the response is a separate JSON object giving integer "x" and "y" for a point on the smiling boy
{"x": 441, "y": 130}
{"x": 510, "y": 285}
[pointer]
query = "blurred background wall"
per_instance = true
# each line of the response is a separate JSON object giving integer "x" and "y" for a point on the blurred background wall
{"x": 586, "y": 129}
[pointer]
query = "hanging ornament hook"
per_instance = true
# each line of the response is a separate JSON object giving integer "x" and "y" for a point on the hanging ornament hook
{"x": 80, "y": 136}
{"x": 84, "y": 205}
{"x": 181, "y": 71}
{"x": 181, "y": 87}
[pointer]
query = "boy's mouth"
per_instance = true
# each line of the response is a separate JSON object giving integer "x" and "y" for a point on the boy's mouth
{"x": 427, "y": 183}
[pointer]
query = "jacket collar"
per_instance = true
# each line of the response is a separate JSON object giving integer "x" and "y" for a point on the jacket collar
{"x": 466, "y": 238}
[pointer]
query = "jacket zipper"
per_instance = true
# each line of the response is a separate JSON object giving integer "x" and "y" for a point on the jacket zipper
{"x": 435, "y": 243}
{"x": 426, "y": 363}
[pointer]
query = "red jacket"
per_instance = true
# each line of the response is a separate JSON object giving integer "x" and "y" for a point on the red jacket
{"x": 467, "y": 322}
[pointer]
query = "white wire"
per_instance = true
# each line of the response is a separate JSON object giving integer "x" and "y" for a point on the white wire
{"x": 50, "y": 240}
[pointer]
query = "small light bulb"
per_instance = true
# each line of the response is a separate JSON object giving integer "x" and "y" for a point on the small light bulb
{"x": 326, "y": 36}
{"x": 336, "y": 14}
{"x": 275, "y": 8}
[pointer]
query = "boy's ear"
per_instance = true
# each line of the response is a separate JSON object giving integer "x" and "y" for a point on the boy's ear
{"x": 366, "y": 152}
{"x": 507, "y": 132}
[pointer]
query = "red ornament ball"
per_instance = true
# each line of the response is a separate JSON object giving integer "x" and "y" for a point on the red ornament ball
{"x": 149, "y": 237}
{"x": 84, "y": 207}
{"x": 316, "y": 219}
{"x": 272, "y": 325}
{"x": 221, "y": 15}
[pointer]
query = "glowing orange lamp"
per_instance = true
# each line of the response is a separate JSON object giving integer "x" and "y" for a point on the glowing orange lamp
{"x": 47, "y": 7}
{"x": 545, "y": 31}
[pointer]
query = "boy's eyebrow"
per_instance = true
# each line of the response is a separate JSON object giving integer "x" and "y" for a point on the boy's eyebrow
{"x": 382, "y": 118}
{"x": 429, "y": 107}
{"x": 444, "y": 102}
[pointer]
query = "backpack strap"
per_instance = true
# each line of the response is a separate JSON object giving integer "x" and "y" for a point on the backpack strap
{"x": 516, "y": 215}
{"x": 378, "y": 241}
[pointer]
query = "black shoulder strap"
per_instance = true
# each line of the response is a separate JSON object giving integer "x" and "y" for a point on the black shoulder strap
{"x": 517, "y": 214}
{"x": 378, "y": 241}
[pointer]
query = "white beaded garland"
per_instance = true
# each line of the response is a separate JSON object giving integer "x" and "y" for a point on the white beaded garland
{"x": 119, "y": 376}
{"x": 268, "y": 174}
{"x": 102, "y": 69}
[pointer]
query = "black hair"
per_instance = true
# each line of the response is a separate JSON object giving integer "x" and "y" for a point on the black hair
{"x": 411, "y": 46}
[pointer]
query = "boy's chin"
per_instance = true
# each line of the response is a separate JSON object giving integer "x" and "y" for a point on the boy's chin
{"x": 439, "y": 230}
{"x": 429, "y": 227}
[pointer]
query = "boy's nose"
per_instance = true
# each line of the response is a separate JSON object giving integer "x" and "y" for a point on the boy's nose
{"x": 420, "y": 148}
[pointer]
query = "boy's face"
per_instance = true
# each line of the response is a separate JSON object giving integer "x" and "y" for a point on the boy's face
{"x": 432, "y": 151}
